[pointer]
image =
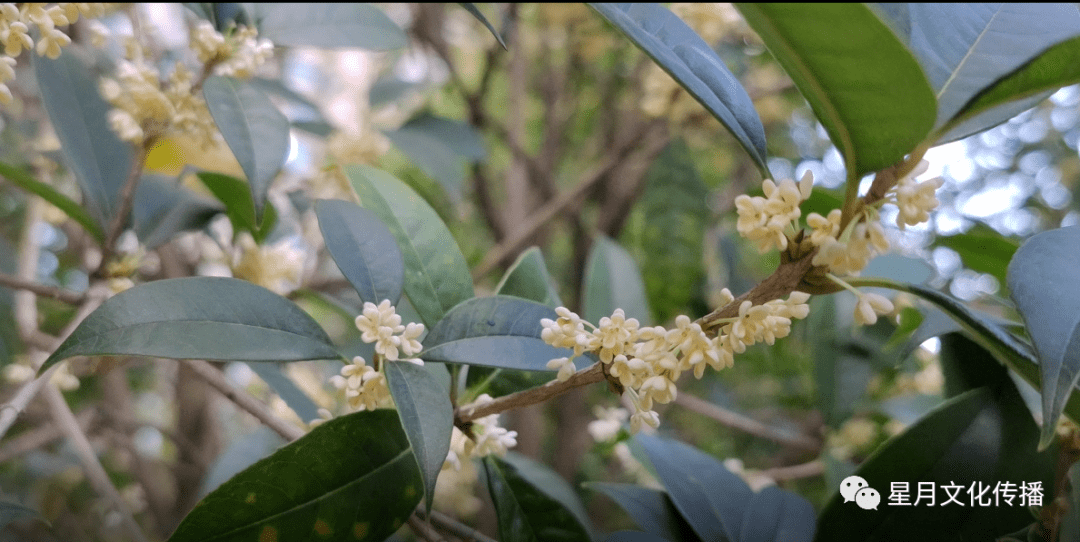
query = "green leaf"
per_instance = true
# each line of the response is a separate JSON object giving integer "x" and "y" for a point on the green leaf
{"x": 24, "y": 180}
{"x": 528, "y": 278}
{"x": 651, "y": 509}
{"x": 675, "y": 214}
{"x": 294, "y": 397}
{"x": 436, "y": 275}
{"x": 212, "y": 318}
{"x": 497, "y": 331}
{"x": 677, "y": 49}
{"x": 351, "y": 478}
{"x": 774, "y": 515}
{"x": 840, "y": 374}
{"x": 162, "y": 208}
{"x": 97, "y": 157}
{"x": 866, "y": 89}
{"x": 329, "y": 26}
{"x": 10, "y": 511}
{"x": 363, "y": 248}
{"x": 634, "y": 536}
{"x": 983, "y": 436}
{"x": 532, "y": 503}
{"x": 471, "y": 8}
{"x": 239, "y": 206}
{"x": 441, "y": 147}
{"x": 965, "y": 48}
{"x": 1043, "y": 282}
{"x": 982, "y": 249}
{"x": 256, "y": 132}
{"x": 712, "y": 499}
{"x": 1056, "y": 67}
{"x": 427, "y": 416}
{"x": 613, "y": 281}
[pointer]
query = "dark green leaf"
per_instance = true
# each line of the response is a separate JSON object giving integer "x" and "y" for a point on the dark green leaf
{"x": 651, "y": 509}
{"x": 471, "y": 8}
{"x": 712, "y": 499}
{"x": 982, "y": 249}
{"x": 528, "y": 278}
{"x": 329, "y": 26}
{"x": 531, "y": 502}
{"x": 677, "y": 49}
{"x": 24, "y": 180}
{"x": 351, "y": 478}
{"x": 1043, "y": 282}
{"x": 1056, "y": 67}
{"x": 363, "y": 248}
{"x": 99, "y": 159}
{"x": 239, "y": 206}
{"x": 498, "y": 331}
{"x": 436, "y": 275}
{"x": 965, "y": 48}
{"x": 256, "y": 132}
{"x": 10, "y": 512}
{"x": 426, "y": 415}
{"x": 840, "y": 375}
{"x": 674, "y": 215}
{"x": 294, "y": 397}
{"x": 441, "y": 147}
{"x": 634, "y": 536}
{"x": 984, "y": 436}
{"x": 775, "y": 515}
{"x": 162, "y": 208}
{"x": 212, "y": 318}
{"x": 866, "y": 88}
{"x": 613, "y": 281}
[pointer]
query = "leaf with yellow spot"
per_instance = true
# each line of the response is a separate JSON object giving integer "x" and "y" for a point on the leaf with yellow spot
{"x": 328, "y": 485}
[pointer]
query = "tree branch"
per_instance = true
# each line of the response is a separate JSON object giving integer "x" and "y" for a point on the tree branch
{"x": 61, "y": 294}
{"x": 423, "y": 530}
{"x": 796, "y": 472}
{"x": 449, "y": 525}
{"x": 127, "y": 198}
{"x": 211, "y": 375}
{"x": 746, "y": 424}
{"x": 467, "y": 413}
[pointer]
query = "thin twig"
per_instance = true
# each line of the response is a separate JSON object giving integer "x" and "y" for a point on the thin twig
{"x": 96, "y": 474}
{"x": 531, "y": 396}
{"x": 423, "y": 530}
{"x": 745, "y": 424}
{"x": 211, "y": 375}
{"x": 796, "y": 472}
{"x": 60, "y": 294}
{"x": 127, "y": 198}
{"x": 40, "y": 436}
{"x": 449, "y": 525}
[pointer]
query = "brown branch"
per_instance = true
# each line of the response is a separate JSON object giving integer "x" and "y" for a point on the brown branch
{"x": 531, "y": 396}
{"x": 423, "y": 530}
{"x": 40, "y": 436}
{"x": 211, "y": 375}
{"x": 95, "y": 473}
{"x": 127, "y": 198}
{"x": 448, "y": 524}
{"x": 796, "y": 472}
{"x": 746, "y": 424}
{"x": 61, "y": 294}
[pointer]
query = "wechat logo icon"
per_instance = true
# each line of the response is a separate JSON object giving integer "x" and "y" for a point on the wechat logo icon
{"x": 855, "y": 488}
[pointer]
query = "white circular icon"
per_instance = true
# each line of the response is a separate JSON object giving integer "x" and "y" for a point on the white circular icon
{"x": 868, "y": 498}
{"x": 850, "y": 486}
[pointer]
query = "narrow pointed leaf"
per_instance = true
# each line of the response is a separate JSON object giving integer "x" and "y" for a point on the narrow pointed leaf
{"x": 775, "y": 515}
{"x": 275, "y": 377}
{"x": 99, "y": 159}
{"x": 711, "y": 498}
{"x": 239, "y": 205}
{"x": 212, "y": 318}
{"x": 441, "y": 147}
{"x": 613, "y": 281}
{"x": 471, "y": 8}
{"x": 1043, "y": 282}
{"x": 363, "y": 248}
{"x": 256, "y": 132}
{"x": 531, "y": 504}
{"x": 982, "y": 249}
{"x": 426, "y": 415}
{"x": 966, "y": 48}
{"x": 329, "y": 26}
{"x": 677, "y": 49}
{"x": 498, "y": 331}
{"x": 528, "y": 278}
{"x": 162, "y": 208}
{"x": 651, "y": 509}
{"x": 24, "y": 180}
{"x": 351, "y": 478}
{"x": 436, "y": 275}
{"x": 866, "y": 89}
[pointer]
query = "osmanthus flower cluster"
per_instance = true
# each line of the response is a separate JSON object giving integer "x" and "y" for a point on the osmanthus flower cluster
{"x": 647, "y": 361}
{"x": 146, "y": 108}
{"x": 365, "y": 385}
{"x": 16, "y": 22}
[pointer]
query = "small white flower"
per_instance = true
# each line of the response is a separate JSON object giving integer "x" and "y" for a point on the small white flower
{"x": 644, "y": 418}
{"x": 868, "y": 308}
